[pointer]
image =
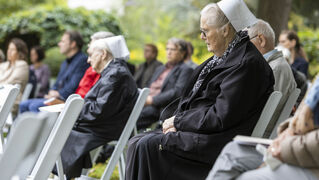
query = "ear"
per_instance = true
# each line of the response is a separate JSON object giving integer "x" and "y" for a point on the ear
{"x": 104, "y": 54}
{"x": 225, "y": 30}
{"x": 73, "y": 44}
{"x": 262, "y": 40}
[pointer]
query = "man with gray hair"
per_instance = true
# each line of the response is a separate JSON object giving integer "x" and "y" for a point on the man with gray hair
{"x": 91, "y": 77}
{"x": 263, "y": 37}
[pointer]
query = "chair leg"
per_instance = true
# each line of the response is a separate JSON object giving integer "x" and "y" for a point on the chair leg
{"x": 122, "y": 161}
{"x": 120, "y": 170}
{"x": 60, "y": 168}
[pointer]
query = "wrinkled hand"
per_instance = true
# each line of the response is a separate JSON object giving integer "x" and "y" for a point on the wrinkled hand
{"x": 275, "y": 147}
{"x": 302, "y": 122}
{"x": 149, "y": 101}
{"x": 168, "y": 125}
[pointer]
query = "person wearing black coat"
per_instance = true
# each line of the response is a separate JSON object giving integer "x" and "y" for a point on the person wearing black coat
{"x": 224, "y": 97}
{"x": 166, "y": 83}
{"x": 106, "y": 108}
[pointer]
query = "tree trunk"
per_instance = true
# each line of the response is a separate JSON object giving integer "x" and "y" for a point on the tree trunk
{"x": 276, "y": 13}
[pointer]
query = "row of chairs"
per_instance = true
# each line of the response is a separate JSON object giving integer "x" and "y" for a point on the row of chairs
{"x": 32, "y": 155}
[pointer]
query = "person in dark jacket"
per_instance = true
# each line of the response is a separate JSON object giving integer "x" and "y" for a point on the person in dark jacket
{"x": 70, "y": 74}
{"x": 146, "y": 70}
{"x": 106, "y": 108}
{"x": 224, "y": 97}
{"x": 166, "y": 83}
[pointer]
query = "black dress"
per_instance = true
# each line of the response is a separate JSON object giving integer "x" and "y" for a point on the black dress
{"x": 228, "y": 102}
{"x": 105, "y": 112}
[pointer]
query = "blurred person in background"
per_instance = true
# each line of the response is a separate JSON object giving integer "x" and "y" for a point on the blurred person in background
{"x": 16, "y": 69}
{"x": 188, "y": 60}
{"x": 41, "y": 70}
{"x": 167, "y": 82}
{"x": 69, "y": 76}
{"x": 299, "y": 61}
{"x": 2, "y": 56}
{"x": 146, "y": 70}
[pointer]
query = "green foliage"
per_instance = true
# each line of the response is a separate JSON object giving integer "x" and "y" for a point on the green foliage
{"x": 157, "y": 21}
{"x": 310, "y": 41}
{"x": 98, "y": 169}
{"x": 45, "y": 25}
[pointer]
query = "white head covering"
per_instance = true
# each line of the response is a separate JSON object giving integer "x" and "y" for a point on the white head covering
{"x": 237, "y": 13}
{"x": 118, "y": 47}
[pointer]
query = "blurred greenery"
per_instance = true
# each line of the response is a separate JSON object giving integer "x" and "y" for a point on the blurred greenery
{"x": 45, "y": 25}
{"x": 98, "y": 169}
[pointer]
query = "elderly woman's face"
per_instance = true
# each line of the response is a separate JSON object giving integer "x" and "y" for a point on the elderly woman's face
{"x": 12, "y": 53}
{"x": 173, "y": 54}
{"x": 213, "y": 38}
{"x": 95, "y": 59}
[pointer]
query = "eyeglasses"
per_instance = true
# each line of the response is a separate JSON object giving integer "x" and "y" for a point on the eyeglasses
{"x": 171, "y": 49}
{"x": 204, "y": 32}
{"x": 254, "y": 36}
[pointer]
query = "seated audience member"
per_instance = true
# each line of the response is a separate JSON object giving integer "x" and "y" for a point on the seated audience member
{"x": 223, "y": 98}
{"x": 145, "y": 71}
{"x": 16, "y": 69}
{"x": 107, "y": 105}
{"x": 90, "y": 76}
{"x": 2, "y": 57}
{"x": 70, "y": 74}
{"x": 299, "y": 77}
{"x": 290, "y": 40}
{"x": 263, "y": 37}
{"x": 41, "y": 70}
{"x": 296, "y": 147}
{"x": 166, "y": 83}
{"x": 188, "y": 60}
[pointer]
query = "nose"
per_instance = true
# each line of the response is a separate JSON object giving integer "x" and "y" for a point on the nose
{"x": 89, "y": 60}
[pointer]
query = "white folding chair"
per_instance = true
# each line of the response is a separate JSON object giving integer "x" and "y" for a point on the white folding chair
{"x": 266, "y": 114}
{"x": 117, "y": 155}
{"x": 37, "y": 89}
{"x": 27, "y": 92}
{"x": 58, "y": 136}
{"x": 292, "y": 99}
{"x": 8, "y": 94}
{"x": 21, "y": 149}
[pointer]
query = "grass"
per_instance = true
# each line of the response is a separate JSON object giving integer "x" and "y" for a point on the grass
{"x": 98, "y": 169}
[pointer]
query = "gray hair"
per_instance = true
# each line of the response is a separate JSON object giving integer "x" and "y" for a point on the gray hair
{"x": 180, "y": 44}
{"x": 101, "y": 45}
{"x": 262, "y": 27}
{"x": 101, "y": 35}
{"x": 2, "y": 56}
{"x": 214, "y": 15}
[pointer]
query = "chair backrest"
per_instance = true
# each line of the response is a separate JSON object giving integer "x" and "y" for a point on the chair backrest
{"x": 291, "y": 101}
{"x": 27, "y": 92}
{"x": 57, "y": 138}
{"x": 267, "y": 114}
{"x": 21, "y": 146}
{"x": 8, "y": 94}
{"x": 37, "y": 90}
{"x": 130, "y": 124}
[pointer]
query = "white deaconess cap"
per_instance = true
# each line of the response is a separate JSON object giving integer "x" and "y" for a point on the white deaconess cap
{"x": 237, "y": 13}
{"x": 118, "y": 47}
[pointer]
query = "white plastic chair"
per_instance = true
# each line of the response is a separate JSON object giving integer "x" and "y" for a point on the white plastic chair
{"x": 292, "y": 99}
{"x": 117, "y": 155}
{"x": 58, "y": 136}
{"x": 266, "y": 114}
{"x": 27, "y": 92}
{"x": 20, "y": 151}
{"x": 8, "y": 94}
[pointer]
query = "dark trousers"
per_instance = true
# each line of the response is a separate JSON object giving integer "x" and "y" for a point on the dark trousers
{"x": 147, "y": 160}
